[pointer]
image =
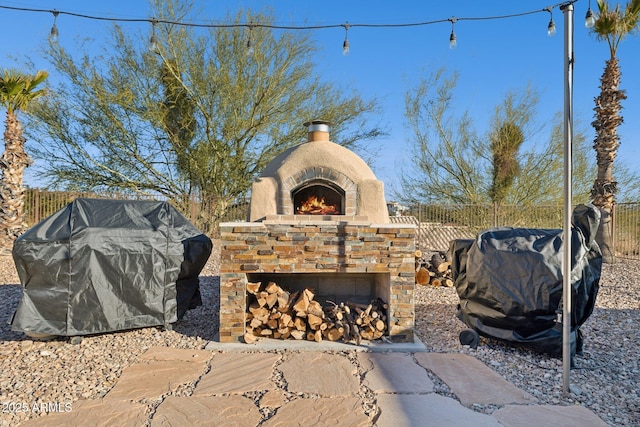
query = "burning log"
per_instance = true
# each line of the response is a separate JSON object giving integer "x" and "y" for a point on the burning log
{"x": 274, "y": 312}
{"x": 317, "y": 206}
{"x": 434, "y": 271}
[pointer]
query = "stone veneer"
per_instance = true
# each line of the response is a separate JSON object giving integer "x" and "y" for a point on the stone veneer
{"x": 333, "y": 245}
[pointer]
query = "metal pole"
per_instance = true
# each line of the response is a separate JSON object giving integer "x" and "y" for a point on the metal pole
{"x": 568, "y": 141}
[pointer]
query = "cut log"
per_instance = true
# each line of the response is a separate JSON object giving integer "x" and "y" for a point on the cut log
{"x": 250, "y": 338}
{"x": 310, "y": 294}
{"x": 334, "y": 334}
{"x": 272, "y": 299}
{"x": 285, "y": 319}
{"x": 301, "y": 306}
{"x": 298, "y": 335}
{"x": 253, "y": 307}
{"x": 314, "y": 321}
{"x": 436, "y": 260}
{"x": 315, "y": 308}
{"x": 283, "y": 302}
{"x": 253, "y": 288}
{"x": 300, "y": 324}
{"x": 444, "y": 266}
{"x": 273, "y": 288}
{"x": 422, "y": 276}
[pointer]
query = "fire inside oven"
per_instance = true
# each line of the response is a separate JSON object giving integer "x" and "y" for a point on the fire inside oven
{"x": 318, "y": 198}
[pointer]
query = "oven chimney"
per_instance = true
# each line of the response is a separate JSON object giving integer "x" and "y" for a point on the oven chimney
{"x": 317, "y": 130}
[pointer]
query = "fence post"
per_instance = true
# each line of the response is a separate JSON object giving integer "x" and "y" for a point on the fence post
{"x": 613, "y": 228}
{"x": 36, "y": 207}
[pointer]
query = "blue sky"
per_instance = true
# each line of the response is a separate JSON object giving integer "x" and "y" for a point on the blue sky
{"x": 492, "y": 56}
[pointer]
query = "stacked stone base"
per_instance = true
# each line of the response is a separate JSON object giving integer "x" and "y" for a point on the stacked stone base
{"x": 336, "y": 246}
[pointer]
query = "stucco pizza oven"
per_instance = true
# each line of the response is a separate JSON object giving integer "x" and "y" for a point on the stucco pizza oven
{"x": 318, "y": 218}
{"x": 315, "y": 170}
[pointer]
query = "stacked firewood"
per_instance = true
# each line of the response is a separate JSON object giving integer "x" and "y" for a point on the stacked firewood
{"x": 273, "y": 312}
{"x": 434, "y": 270}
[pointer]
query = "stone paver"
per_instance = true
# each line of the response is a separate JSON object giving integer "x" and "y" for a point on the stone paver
{"x": 329, "y": 375}
{"x": 404, "y": 392}
{"x": 320, "y": 412}
{"x": 238, "y": 373}
{"x": 95, "y": 413}
{"x": 547, "y": 415}
{"x": 426, "y": 410}
{"x": 394, "y": 373}
{"x": 471, "y": 380}
{"x": 206, "y": 411}
{"x": 155, "y": 378}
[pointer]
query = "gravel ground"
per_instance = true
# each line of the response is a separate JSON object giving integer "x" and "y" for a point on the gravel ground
{"x": 606, "y": 378}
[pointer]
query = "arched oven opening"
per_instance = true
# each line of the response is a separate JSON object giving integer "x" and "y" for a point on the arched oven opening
{"x": 318, "y": 198}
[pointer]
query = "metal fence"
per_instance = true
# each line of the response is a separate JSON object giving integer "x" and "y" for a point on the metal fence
{"x": 39, "y": 204}
{"x": 626, "y": 220}
{"x": 626, "y": 216}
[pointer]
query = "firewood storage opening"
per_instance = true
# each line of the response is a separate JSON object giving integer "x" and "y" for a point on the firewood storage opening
{"x": 317, "y": 307}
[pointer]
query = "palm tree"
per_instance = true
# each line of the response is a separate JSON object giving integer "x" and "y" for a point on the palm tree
{"x": 612, "y": 25}
{"x": 17, "y": 90}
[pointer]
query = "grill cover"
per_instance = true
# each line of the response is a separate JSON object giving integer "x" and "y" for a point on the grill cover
{"x": 106, "y": 265}
{"x": 509, "y": 281}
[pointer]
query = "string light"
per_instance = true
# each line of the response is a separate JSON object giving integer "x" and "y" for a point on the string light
{"x": 551, "y": 28}
{"x": 452, "y": 38}
{"x": 54, "y": 30}
{"x": 250, "y": 41}
{"x": 589, "y": 20}
{"x": 345, "y": 45}
{"x": 153, "y": 41}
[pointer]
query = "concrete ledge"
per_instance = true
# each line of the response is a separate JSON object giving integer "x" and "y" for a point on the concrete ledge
{"x": 269, "y": 344}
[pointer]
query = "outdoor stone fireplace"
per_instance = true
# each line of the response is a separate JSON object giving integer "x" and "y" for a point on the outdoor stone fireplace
{"x": 318, "y": 219}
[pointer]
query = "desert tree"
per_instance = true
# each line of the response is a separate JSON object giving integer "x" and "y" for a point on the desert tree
{"x": 518, "y": 161}
{"x": 611, "y": 25}
{"x": 199, "y": 116}
{"x": 17, "y": 92}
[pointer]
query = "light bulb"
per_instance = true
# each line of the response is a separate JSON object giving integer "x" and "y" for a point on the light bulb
{"x": 589, "y": 20}
{"x": 54, "y": 33}
{"x": 153, "y": 43}
{"x": 453, "y": 42}
{"x": 54, "y": 29}
{"x": 250, "y": 49}
{"x": 551, "y": 28}
{"x": 345, "y": 45}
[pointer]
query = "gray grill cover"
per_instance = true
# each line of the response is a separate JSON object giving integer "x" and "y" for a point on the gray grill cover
{"x": 509, "y": 281}
{"x": 107, "y": 265}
